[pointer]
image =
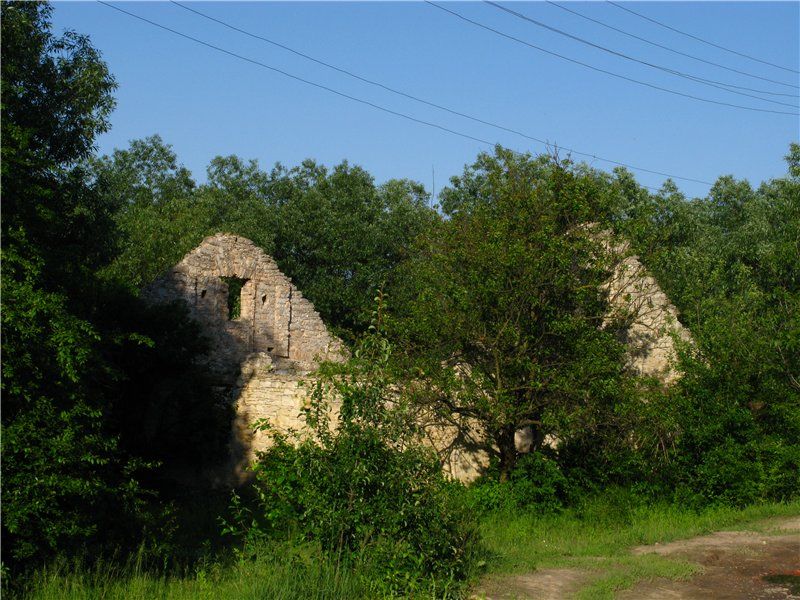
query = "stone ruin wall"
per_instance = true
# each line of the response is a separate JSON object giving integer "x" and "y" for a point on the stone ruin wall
{"x": 264, "y": 359}
{"x": 259, "y": 358}
{"x": 652, "y": 326}
{"x": 275, "y": 319}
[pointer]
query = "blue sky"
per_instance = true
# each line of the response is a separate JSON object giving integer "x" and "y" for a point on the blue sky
{"x": 206, "y": 104}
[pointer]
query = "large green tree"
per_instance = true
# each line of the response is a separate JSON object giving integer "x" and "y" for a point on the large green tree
{"x": 340, "y": 237}
{"x": 83, "y": 361}
{"x": 56, "y": 97}
{"x": 501, "y": 307}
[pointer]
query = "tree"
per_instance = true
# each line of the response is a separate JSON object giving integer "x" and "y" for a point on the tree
{"x": 500, "y": 305}
{"x": 57, "y": 459}
{"x": 155, "y": 210}
{"x": 73, "y": 343}
{"x": 339, "y": 236}
{"x": 729, "y": 263}
{"x": 56, "y": 99}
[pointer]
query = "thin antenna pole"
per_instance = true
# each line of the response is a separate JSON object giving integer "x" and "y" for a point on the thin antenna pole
{"x": 433, "y": 186}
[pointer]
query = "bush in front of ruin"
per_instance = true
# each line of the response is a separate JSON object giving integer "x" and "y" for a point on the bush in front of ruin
{"x": 357, "y": 484}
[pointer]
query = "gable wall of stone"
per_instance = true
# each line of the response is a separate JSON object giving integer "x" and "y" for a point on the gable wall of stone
{"x": 265, "y": 355}
{"x": 274, "y": 316}
{"x": 653, "y": 325}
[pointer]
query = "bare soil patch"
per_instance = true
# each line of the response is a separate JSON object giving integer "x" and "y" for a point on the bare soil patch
{"x": 736, "y": 565}
{"x": 547, "y": 584}
{"x": 759, "y": 565}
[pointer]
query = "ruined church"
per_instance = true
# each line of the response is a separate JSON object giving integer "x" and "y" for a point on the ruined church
{"x": 267, "y": 340}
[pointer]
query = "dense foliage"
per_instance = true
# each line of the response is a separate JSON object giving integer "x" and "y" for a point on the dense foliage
{"x": 501, "y": 304}
{"x": 357, "y": 484}
{"x": 497, "y": 316}
{"x": 730, "y": 264}
{"x": 87, "y": 410}
{"x": 57, "y": 457}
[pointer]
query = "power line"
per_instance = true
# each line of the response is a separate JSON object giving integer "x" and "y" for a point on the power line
{"x": 693, "y": 57}
{"x": 387, "y": 110}
{"x": 428, "y": 102}
{"x": 598, "y": 69}
{"x": 295, "y": 77}
{"x": 359, "y": 100}
{"x": 710, "y": 82}
{"x": 699, "y": 39}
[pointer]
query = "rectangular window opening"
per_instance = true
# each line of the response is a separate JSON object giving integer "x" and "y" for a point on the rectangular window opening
{"x": 235, "y": 285}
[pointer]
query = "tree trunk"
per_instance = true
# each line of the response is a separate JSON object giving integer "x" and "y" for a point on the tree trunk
{"x": 508, "y": 452}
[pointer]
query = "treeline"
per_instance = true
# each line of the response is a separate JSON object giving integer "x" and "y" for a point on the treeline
{"x": 492, "y": 299}
{"x": 731, "y": 264}
{"x": 335, "y": 232}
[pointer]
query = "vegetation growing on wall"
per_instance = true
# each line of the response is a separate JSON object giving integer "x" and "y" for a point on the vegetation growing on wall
{"x": 358, "y": 485}
{"x": 495, "y": 303}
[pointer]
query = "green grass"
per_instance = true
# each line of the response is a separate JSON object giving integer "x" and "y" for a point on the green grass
{"x": 289, "y": 573}
{"x": 596, "y": 537}
{"x": 286, "y": 571}
{"x": 599, "y": 535}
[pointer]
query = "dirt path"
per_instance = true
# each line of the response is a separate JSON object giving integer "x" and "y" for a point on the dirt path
{"x": 736, "y": 565}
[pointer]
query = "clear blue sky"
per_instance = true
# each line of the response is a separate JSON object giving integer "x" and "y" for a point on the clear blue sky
{"x": 206, "y": 104}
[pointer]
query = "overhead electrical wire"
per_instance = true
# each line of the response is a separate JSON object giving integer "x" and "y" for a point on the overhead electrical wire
{"x": 377, "y": 106}
{"x": 295, "y": 77}
{"x": 427, "y": 102}
{"x": 699, "y": 39}
{"x": 600, "y": 70}
{"x": 709, "y": 82}
{"x": 674, "y": 51}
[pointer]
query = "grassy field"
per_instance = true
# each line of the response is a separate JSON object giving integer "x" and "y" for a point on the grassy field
{"x": 597, "y": 536}
{"x": 294, "y": 572}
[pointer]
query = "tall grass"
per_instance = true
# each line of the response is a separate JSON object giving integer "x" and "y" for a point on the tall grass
{"x": 595, "y": 536}
{"x": 283, "y": 573}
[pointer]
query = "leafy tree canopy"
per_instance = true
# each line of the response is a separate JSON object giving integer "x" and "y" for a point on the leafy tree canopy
{"x": 72, "y": 343}
{"x": 335, "y": 232}
{"x": 501, "y": 304}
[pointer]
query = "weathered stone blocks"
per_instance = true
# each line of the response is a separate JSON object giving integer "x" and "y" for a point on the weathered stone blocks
{"x": 264, "y": 357}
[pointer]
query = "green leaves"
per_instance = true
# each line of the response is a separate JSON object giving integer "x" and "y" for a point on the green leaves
{"x": 509, "y": 287}
{"x": 729, "y": 262}
{"x": 75, "y": 349}
{"x": 363, "y": 488}
{"x": 334, "y": 232}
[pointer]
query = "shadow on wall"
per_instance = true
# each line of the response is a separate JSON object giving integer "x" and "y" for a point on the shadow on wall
{"x": 267, "y": 339}
{"x": 264, "y": 335}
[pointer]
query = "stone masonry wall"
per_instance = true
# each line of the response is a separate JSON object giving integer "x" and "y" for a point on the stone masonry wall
{"x": 652, "y": 321}
{"x": 275, "y": 318}
{"x": 264, "y": 359}
{"x": 260, "y": 358}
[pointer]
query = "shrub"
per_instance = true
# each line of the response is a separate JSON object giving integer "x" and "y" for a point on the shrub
{"x": 536, "y": 484}
{"x": 363, "y": 490}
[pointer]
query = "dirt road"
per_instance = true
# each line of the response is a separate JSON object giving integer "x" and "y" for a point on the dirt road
{"x": 763, "y": 564}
